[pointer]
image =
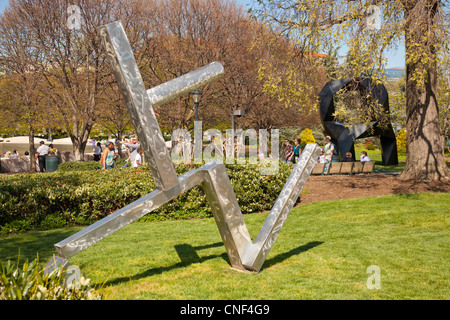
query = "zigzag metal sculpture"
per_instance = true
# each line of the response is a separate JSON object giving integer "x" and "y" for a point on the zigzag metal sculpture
{"x": 243, "y": 254}
{"x": 343, "y": 136}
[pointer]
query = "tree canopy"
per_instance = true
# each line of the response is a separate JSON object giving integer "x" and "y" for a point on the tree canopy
{"x": 368, "y": 29}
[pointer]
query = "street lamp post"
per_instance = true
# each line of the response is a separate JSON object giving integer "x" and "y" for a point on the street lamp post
{"x": 236, "y": 113}
{"x": 196, "y": 97}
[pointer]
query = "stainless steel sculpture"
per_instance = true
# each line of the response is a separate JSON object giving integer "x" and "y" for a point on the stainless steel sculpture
{"x": 243, "y": 254}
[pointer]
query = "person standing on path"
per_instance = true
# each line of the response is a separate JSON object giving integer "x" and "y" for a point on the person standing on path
{"x": 133, "y": 149}
{"x": 297, "y": 149}
{"x": 288, "y": 152}
{"x": 329, "y": 149}
{"x": 107, "y": 160}
{"x": 41, "y": 154}
{"x": 97, "y": 152}
{"x": 138, "y": 160}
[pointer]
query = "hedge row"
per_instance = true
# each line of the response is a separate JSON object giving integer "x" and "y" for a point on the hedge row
{"x": 81, "y": 197}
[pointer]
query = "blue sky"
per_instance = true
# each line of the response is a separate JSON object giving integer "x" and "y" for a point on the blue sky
{"x": 396, "y": 58}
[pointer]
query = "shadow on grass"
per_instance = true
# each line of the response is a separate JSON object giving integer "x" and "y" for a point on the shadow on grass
{"x": 283, "y": 256}
{"x": 30, "y": 245}
{"x": 188, "y": 255}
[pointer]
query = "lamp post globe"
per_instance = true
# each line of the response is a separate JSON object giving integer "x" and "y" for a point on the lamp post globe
{"x": 196, "y": 97}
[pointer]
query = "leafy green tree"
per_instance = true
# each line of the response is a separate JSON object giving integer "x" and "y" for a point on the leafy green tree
{"x": 369, "y": 29}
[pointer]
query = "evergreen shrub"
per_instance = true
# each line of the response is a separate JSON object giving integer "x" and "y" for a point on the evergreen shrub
{"x": 65, "y": 198}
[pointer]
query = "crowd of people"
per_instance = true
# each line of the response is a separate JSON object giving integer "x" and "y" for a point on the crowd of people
{"x": 11, "y": 155}
{"x": 107, "y": 157}
{"x": 41, "y": 153}
{"x": 290, "y": 153}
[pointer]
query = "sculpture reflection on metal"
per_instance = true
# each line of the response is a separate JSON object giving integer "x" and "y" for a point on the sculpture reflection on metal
{"x": 343, "y": 136}
{"x": 243, "y": 254}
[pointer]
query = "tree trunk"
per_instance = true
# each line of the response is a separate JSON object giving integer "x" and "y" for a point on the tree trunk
{"x": 79, "y": 135}
{"x": 32, "y": 150}
{"x": 79, "y": 145}
{"x": 119, "y": 148}
{"x": 79, "y": 142}
{"x": 424, "y": 148}
{"x": 424, "y": 143}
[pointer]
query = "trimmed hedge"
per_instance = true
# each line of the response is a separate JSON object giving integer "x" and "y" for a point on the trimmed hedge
{"x": 68, "y": 197}
{"x": 70, "y": 166}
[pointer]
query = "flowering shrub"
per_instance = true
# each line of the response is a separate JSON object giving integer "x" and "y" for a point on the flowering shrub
{"x": 401, "y": 142}
{"x": 307, "y": 137}
{"x": 63, "y": 198}
{"x": 369, "y": 145}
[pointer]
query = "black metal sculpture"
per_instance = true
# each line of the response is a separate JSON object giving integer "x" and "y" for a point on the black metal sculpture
{"x": 344, "y": 136}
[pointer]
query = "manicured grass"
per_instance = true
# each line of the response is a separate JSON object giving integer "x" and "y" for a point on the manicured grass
{"x": 322, "y": 252}
{"x": 375, "y": 155}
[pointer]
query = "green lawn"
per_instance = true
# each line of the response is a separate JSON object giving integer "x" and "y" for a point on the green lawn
{"x": 322, "y": 252}
{"x": 375, "y": 155}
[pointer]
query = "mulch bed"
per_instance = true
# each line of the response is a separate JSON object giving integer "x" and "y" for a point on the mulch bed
{"x": 335, "y": 187}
